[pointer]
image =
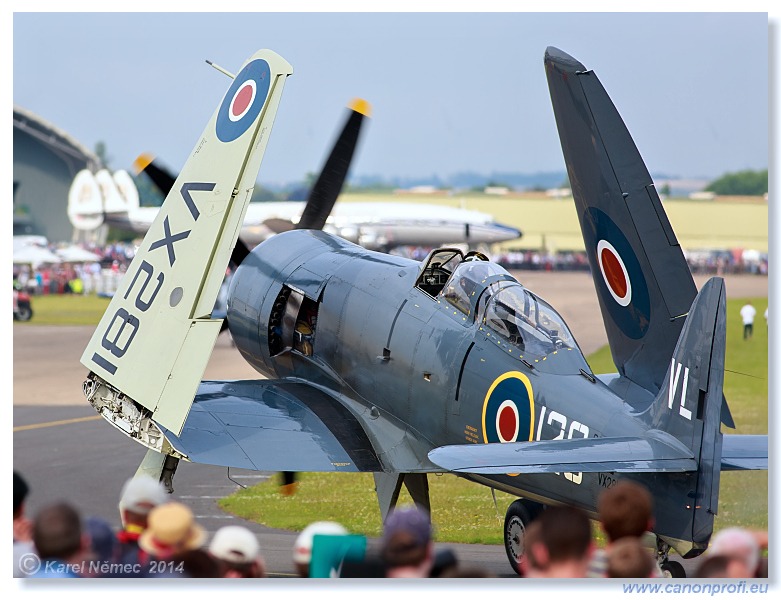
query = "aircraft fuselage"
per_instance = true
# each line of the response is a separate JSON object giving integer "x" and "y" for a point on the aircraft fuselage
{"x": 309, "y": 305}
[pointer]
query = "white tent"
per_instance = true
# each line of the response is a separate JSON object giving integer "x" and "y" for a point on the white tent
{"x": 76, "y": 254}
{"x": 34, "y": 255}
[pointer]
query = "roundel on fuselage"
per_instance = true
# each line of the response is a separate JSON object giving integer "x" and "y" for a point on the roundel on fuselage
{"x": 508, "y": 409}
{"x": 244, "y": 100}
{"x": 622, "y": 285}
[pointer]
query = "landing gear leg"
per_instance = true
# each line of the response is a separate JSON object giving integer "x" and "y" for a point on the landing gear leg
{"x": 670, "y": 568}
{"x": 388, "y": 486}
{"x": 160, "y": 467}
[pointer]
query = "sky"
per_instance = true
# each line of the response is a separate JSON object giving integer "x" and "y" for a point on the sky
{"x": 450, "y": 92}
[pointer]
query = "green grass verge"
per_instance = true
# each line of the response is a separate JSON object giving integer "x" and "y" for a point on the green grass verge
{"x": 66, "y": 309}
{"x": 465, "y": 512}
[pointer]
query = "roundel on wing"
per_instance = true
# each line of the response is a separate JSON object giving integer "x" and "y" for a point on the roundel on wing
{"x": 244, "y": 100}
{"x": 625, "y": 294}
{"x": 508, "y": 409}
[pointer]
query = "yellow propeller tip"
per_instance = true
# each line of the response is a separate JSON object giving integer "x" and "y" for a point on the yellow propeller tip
{"x": 142, "y": 162}
{"x": 360, "y": 105}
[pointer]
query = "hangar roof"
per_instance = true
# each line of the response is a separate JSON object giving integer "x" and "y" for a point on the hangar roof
{"x": 52, "y": 135}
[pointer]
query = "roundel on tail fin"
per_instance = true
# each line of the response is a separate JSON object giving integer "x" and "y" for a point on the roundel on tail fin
{"x": 244, "y": 100}
{"x": 621, "y": 282}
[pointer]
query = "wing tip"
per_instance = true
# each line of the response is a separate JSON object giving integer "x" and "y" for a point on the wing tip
{"x": 361, "y": 106}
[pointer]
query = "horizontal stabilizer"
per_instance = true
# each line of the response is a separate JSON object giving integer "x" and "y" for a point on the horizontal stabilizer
{"x": 268, "y": 425}
{"x": 744, "y": 452}
{"x": 656, "y": 453}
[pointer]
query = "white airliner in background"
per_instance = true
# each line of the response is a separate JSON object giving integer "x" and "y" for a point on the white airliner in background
{"x": 99, "y": 198}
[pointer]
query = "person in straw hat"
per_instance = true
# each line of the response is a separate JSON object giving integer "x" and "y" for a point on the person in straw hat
{"x": 171, "y": 530}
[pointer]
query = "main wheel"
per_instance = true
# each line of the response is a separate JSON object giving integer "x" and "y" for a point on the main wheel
{"x": 519, "y": 514}
{"x": 24, "y": 312}
{"x": 674, "y": 569}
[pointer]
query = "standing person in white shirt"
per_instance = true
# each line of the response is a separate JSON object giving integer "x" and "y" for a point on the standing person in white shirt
{"x": 747, "y": 313}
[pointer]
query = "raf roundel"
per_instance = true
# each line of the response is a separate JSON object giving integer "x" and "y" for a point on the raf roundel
{"x": 244, "y": 101}
{"x": 614, "y": 273}
{"x": 622, "y": 288}
{"x": 508, "y": 409}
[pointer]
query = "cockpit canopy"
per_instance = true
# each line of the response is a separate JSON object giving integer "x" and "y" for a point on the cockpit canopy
{"x": 486, "y": 292}
{"x": 469, "y": 279}
{"x": 524, "y": 320}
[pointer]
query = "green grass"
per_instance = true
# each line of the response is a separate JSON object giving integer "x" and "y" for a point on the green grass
{"x": 66, "y": 309}
{"x": 465, "y": 512}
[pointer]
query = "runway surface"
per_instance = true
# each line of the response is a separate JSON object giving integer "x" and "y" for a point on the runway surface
{"x": 66, "y": 451}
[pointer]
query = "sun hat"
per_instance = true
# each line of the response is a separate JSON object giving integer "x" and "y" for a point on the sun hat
{"x": 171, "y": 529}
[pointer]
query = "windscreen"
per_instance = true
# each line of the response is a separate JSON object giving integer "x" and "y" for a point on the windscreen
{"x": 526, "y": 321}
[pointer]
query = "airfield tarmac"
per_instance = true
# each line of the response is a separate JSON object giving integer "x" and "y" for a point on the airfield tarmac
{"x": 65, "y": 451}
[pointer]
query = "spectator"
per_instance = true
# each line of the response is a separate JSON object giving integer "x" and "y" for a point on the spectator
{"x": 57, "y": 535}
{"x": 193, "y": 564}
{"x": 171, "y": 530}
{"x": 625, "y": 510}
{"x": 716, "y": 566}
{"x": 747, "y": 313}
{"x": 407, "y": 544}
{"x": 561, "y": 546}
{"x": 237, "y": 552}
{"x": 139, "y": 496}
{"x": 101, "y": 548}
{"x": 23, "y": 527}
{"x": 627, "y": 558}
{"x": 302, "y": 549}
{"x": 741, "y": 547}
{"x": 529, "y": 563}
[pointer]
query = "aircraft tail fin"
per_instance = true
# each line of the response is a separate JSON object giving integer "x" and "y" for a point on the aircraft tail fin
{"x": 642, "y": 279}
{"x": 149, "y": 351}
{"x": 688, "y": 407}
{"x": 85, "y": 202}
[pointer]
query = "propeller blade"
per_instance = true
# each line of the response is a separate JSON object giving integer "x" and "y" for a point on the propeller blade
{"x": 329, "y": 184}
{"x": 161, "y": 177}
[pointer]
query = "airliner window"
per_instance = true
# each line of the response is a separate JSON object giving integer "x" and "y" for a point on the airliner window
{"x": 466, "y": 283}
{"x": 526, "y": 321}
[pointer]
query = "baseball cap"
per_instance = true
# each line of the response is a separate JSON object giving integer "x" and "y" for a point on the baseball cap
{"x": 141, "y": 494}
{"x": 412, "y": 521}
{"x": 302, "y": 549}
{"x": 235, "y": 544}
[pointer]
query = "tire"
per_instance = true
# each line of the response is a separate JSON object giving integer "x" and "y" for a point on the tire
{"x": 519, "y": 514}
{"x": 24, "y": 313}
{"x": 672, "y": 568}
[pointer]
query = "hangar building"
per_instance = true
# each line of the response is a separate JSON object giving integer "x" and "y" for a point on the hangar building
{"x": 46, "y": 159}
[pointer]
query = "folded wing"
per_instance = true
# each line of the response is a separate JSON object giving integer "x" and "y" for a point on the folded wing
{"x": 269, "y": 425}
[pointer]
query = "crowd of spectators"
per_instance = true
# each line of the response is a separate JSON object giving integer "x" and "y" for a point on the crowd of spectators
{"x": 103, "y": 275}
{"x": 76, "y": 277}
{"x": 161, "y": 538}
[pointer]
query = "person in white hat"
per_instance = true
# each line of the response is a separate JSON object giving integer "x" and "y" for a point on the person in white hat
{"x": 237, "y": 551}
{"x": 302, "y": 549}
{"x": 139, "y": 496}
